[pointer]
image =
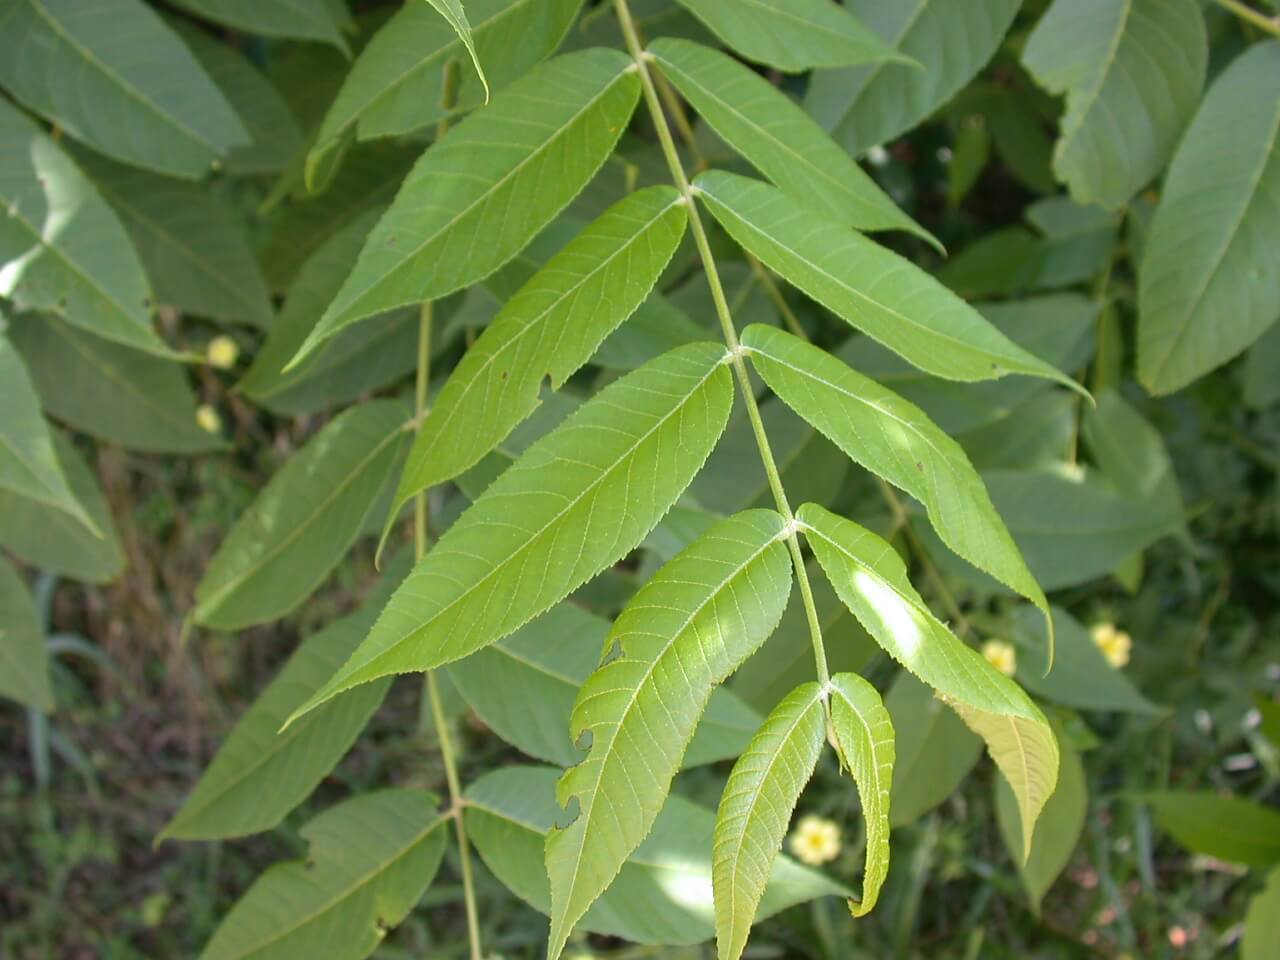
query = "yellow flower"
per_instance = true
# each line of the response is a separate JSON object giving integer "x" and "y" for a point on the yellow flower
{"x": 815, "y": 840}
{"x": 1114, "y": 644}
{"x": 1002, "y": 656}
{"x": 222, "y": 352}
{"x": 208, "y": 419}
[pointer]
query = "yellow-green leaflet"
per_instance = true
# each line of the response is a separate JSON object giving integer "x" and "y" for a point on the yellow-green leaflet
{"x": 871, "y": 579}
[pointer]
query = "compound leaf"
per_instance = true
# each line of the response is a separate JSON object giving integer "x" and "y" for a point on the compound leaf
{"x": 681, "y": 635}
{"x": 575, "y": 503}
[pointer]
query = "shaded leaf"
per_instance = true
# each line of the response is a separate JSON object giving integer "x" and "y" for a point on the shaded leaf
{"x": 1081, "y": 676}
{"x": 934, "y": 750}
{"x": 756, "y": 808}
{"x": 869, "y": 105}
{"x": 547, "y": 330}
{"x": 792, "y": 35}
{"x": 111, "y": 74}
{"x": 398, "y": 83}
{"x": 1071, "y": 530}
{"x": 1056, "y": 833}
{"x": 574, "y": 504}
{"x": 1131, "y": 71}
{"x": 55, "y": 542}
{"x": 303, "y": 521}
{"x": 872, "y": 579}
{"x": 864, "y": 734}
{"x": 301, "y": 19}
{"x": 1208, "y": 281}
{"x": 896, "y": 441}
{"x": 24, "y": 666}
{"x": 1262, "y": 921}
{"x": 1229, "y": 828}
{"x": 359, "y": 359}
{"x": 482, "y": 192}
{"x": 523, "y": 688}
{"x": 29, "y": 466}
{"x": 662, "y": 895}
{"x": 114, "y": 393}
{"x": 1130, "y": 452}
{"x": 61, "y": 247}
{"x": 196, "y": 254}
{"x": 877, "y": 291}
{"x": 370, "y": 860}
{"x": 777, "y": 137}
{"x": 678, "y": 638}
{"x": 259, "y": 774}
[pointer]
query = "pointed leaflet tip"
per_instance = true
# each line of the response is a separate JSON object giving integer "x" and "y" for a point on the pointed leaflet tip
{"x": 452, "y": 11}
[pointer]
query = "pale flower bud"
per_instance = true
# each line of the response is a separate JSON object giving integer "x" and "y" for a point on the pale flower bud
{"x": 1002, "y": 656}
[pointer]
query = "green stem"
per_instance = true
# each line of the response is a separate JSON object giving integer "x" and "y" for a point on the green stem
{"x": 430, "y": 687}
{"x": 1270, "y": 25}
{"x": 727, "y": 329}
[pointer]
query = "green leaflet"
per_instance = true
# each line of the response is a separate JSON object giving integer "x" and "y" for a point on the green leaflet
{"x": 875, "y": 290}
{"x": 1261, "y": 387}
{"x": 196, "y": 255}
{"x": 1229, "y": 828}
{"x": 1131, "y": 71}
{"x": 258, "y": 774}
{"x": 864, "y": 734}
{"x": 547, "y": 330}
{"x": 756, "y": 808}
{"x": 24, "y": 666}
{"x": 1081, "y": 677}
{"x": 872, "y": 580}
{"x": 304, "y": 19}
{"x": 1056, "y": 833}
{"x": 303, "y": 521}
{"x": 1262, "y": 921}
{"x": 934, "y": 750}
{"x": 274, "y": 135}
{"x": 111, "y": 74}
{"x": 763, "y": 125}
{"x": 117, "y": 394}
{"x": 870, "y": 105}
{"x": 523, "y": 688}
{"x": 28, "y": 464}
{"x": 1130, "y": 452}
{"x": 55, "y": 542}
{"x": 482, "y": 192}
{"x": 895, "y": 440}
{"x": 61, "y": 246}
{"x": 370, "y": 860}
{"x": 678, "y": 638}
{"x": 452, "y": 11}
{"x": 662, "y": 895}
{"x": 399, "y": 82}
{"x": 1208, "y": 282}
{"x": 364, "y": 357}
{"x": 1071, "y": 530}
{"x": 791, "y": 35}
{"x": 574, "y": 504}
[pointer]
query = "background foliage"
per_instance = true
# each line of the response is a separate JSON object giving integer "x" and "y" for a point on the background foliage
{"x": 219, "y": 221}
